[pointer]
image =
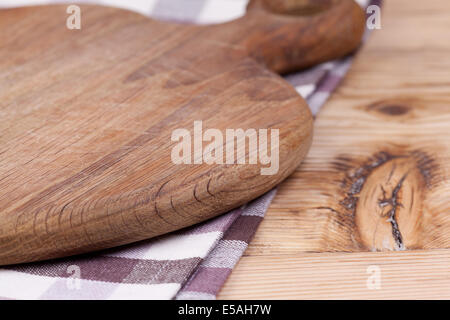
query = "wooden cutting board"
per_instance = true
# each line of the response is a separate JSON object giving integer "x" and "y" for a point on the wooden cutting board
{"x": 86, "y": 117}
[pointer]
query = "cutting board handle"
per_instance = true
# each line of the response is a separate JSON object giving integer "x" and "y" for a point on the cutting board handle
{"x": 288, "y": 35}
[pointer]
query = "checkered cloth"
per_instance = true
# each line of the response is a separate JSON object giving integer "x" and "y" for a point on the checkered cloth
{"x": 189, "y": 264}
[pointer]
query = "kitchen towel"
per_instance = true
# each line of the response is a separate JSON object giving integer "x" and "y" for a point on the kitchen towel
{"x": 192, "y": 263}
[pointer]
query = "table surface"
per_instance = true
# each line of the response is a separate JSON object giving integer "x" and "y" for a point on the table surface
{"x": 394, "y": 104}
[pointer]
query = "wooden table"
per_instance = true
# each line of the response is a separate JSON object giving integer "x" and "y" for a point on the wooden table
{"x": 367, "y": 215}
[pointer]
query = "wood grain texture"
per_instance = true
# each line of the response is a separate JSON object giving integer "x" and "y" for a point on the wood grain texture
{"x": 86, "y": 117}
{"x": 377, "y": 177}
{"x": 403, "y": 275}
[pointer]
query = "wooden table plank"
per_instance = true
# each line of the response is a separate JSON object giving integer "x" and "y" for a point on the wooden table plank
{"x": 403, "y": 275}
{"x": 393, "y": 109}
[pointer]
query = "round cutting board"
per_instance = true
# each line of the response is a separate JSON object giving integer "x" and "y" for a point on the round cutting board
{"x": 87, "y": 117}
